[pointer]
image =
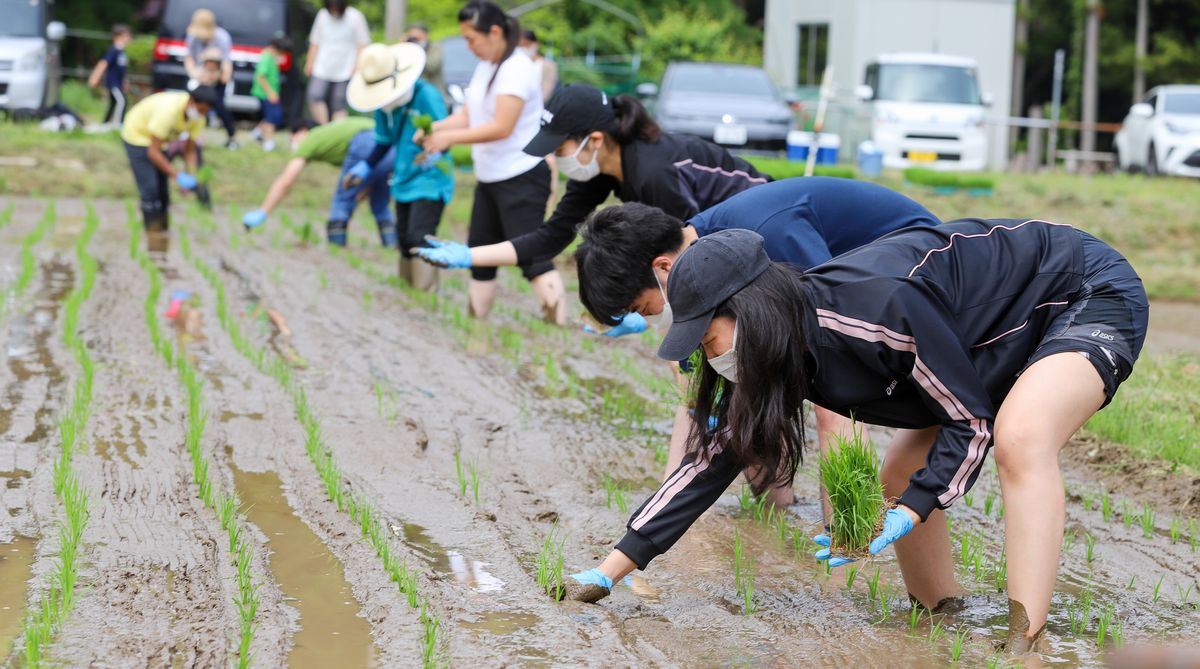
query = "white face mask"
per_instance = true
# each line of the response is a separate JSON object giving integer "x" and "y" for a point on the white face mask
{"x": 400, "y": 101}
{"x": 193, "y": 114}
{"x": 726, "y": 363}
{"x": 576, "y": 170}
{"x": 662, "y": 320}
{"x": 531, "y": 51}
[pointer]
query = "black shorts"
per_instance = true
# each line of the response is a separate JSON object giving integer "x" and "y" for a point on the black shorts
{"x": 415, "y": 220}
{"x": 1106, "y": 322}
{"x": 505, "y": 210}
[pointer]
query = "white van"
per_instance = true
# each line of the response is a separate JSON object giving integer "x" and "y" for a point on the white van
{"x": 926, "y": 111}
{"x": 26, "y": 53}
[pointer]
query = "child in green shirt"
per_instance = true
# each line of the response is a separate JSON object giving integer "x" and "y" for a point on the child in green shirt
{"x": 266, "y": 89}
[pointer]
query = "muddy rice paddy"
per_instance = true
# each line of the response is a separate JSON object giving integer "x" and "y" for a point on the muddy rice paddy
{"x": 272, "y": 477}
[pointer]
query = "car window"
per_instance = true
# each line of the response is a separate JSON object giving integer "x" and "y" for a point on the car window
{"x": 1181, "y": 103}
{"x": 22, "y": 18}
{"x": 720, "y": 80}
{"x": 247, "y": 22}
{"x": 914, "y": 82}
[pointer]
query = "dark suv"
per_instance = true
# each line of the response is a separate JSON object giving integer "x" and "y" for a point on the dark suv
{"x": 251, "y": 23}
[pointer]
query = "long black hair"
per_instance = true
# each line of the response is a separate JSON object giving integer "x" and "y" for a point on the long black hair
{"x": 632, "y": 122}
{"x": 483, "y": 15}
{"x": 760, "y": 418}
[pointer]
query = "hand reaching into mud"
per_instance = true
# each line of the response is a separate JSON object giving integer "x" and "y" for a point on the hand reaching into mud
{"x": 453, "y": 255}
{"x": 897, "y": 522}
{"x": 588, "y": 586}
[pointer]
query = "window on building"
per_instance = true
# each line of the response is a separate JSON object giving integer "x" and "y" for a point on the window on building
{"x": 812, "y": 53}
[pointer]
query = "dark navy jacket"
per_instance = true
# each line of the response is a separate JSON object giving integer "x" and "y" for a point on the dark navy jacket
{"x": 805, "y": 221}
{"x": 680, "y": 174}
{"x": 927, "y": 326}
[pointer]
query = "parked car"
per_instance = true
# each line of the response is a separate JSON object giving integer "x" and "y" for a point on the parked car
{"x": 732, "y": 105}
{"x": 1161, "y": 134}
{"x": 926, "y": 110}
{"x": 251, "y": 23}
{"x": 458, "y": 64}
{"x": 28, "y": 54}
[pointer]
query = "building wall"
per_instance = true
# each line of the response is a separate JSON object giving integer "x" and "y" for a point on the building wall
{"x": 860, "y": 30}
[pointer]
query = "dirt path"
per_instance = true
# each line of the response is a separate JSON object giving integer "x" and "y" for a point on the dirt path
{"x": 399, "y": 391}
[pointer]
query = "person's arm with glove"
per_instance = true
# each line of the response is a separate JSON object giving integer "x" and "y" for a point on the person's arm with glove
{"x": 275, "y": 194}
{"x": 359, "y": 172}
{"x": 631, "y": 323}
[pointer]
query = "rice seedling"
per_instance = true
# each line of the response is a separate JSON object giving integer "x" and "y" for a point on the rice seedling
{"x": 885, "y": 604}
{"x": 1103, "y": 625}
{"x": 1129, "y": 586}
{"x": 936, "y": 631}
{"x": 988, "y": 502}
{"x": 1089, "y": 501}
{"x": 1158, "y": 588}
{"x": 969, "y": 499}
{"x": 1117, "y": 632}
{"x": 1126, "y": 513}
{"x": 1000, "y": 510}
{"x": 615, "y": 492}
{"x": 914, "y": 616}
{"x": 1193, "y": 535}
{"x": 1000, "y": 573}
{"x": 1185, "y": 594}
{"x": 475, "y": 479}
{"x": 850, "y": 474}
{"x": 957, "y": 642}
{"x": 743, "y": 575}
{"x": 550, "y": 564}
{"x": 873, "y": 585}
{"x": 1090, "y": 546}
{"x": 851, "y": 574}
{"x": 460, "y": 473}
{"x": 1106, "y": 507}
{"x": 1068, "y": 541}
{"x": 1147, "y": 521}
{"x": 1176, "y": 528}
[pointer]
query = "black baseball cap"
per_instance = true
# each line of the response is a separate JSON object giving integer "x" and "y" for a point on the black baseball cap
{"x": 573, "y": 111}
{"x": 710, "y": 271}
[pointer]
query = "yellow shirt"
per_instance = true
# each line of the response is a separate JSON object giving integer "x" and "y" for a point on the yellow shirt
{"x": 162, "y": 115}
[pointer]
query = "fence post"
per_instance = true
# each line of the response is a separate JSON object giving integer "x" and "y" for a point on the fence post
{"x": 1034, "y": 142}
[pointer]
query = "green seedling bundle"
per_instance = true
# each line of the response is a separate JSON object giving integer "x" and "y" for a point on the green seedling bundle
{"x": 370, "y": 521}
{"x": 850, "y": 473}
{"x": 550, "y": 564}
{"x": 46, "y": 618}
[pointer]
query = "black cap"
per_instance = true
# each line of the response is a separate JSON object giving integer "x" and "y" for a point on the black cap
{"x": 206, "y": 95}
{"x": 573, "y": 111}
{"x": 709, "y": 272}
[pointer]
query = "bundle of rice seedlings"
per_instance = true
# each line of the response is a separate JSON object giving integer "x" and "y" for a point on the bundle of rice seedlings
{"x": 850, "y": 473}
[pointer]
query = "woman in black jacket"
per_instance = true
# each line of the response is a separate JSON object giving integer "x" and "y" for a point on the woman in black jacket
{"x": 609, "y": 146}
{"x": 1017, "y": 329}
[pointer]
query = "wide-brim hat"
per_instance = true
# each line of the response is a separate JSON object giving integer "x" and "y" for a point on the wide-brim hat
{"x": 203, "y": 25}
{"x": 385, "y": 73}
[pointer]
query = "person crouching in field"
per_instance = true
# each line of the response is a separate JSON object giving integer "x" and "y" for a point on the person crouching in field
{"x": 153, "y": 124}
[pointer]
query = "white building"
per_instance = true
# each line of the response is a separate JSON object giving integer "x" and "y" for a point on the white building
{"x": 803, "y": 36}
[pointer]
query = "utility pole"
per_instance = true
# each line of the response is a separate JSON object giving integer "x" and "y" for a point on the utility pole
{"x": 1139, "y": 49}
{"x": 1021, "y": 46}
{"x": 393, "y": 19}
{"x": 1091, "y": 50}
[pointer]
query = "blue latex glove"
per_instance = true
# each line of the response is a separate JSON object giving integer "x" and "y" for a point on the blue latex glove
{"x": 445, "y": 254}
{"x": 632, "y": 323}
{"x": 896, "y": 524}
{"x": 185, "y": 181}
{"x": 253, "y": 219}
{"x": 357, "y": 174}
{"x": 593, "y": 576}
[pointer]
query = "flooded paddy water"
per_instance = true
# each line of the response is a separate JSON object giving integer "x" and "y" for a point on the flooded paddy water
{"x": 397, "y": 469}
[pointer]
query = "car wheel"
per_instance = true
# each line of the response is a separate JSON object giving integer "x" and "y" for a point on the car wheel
{"x": 1151, "y": 162}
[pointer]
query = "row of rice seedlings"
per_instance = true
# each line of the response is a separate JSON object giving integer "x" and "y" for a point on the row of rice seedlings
{"x": 370, "y": 521}
{"x": 223, "y": 504}
{"x": 743, "y": 574}
{"x": 28, "y": 261}
{"x": 549, "y": 571}
{"x": 46, "y": 618}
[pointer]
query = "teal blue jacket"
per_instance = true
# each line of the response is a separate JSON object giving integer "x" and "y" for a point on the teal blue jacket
{"x": 432, "y": 180}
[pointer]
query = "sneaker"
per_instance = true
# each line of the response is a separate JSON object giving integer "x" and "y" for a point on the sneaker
{"x": 256, "y": 134}
{"x": 269, "y": 145}
{"x": 232, "y": 144}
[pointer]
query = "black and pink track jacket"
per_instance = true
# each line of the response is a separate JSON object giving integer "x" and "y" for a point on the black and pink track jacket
{"x": 925, "y": 326}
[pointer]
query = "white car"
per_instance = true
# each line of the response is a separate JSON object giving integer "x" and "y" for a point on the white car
{"x": 1161, "y": 134}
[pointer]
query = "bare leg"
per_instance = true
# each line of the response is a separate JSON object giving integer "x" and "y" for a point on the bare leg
{"x": 319, "y": 111}
{"x": 480, "y": 295}
{"x": 552, "y": 296}
{"x": 924, "y": 554}
{"x": 1048, "y": 403}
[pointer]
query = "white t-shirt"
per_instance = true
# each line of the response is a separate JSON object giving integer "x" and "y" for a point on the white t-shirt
{"x": 505, "y": 158}
{"x": 338, "y": 41}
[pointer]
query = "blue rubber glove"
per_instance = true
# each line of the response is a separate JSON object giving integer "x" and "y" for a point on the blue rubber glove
{"x": 253, "y": 219}
{"x": 896, "y": 524}
{"x": 445, "y": 254}
{"x": 632, "y": 323}
{"x": 593, "y": 576}
{"x": 185, "y": 181}
{"x": 357, "y": 174}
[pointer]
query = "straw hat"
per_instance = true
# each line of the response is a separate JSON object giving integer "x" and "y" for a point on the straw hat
{"x": 203, "y": 25}
{"x": 384, "y": 74}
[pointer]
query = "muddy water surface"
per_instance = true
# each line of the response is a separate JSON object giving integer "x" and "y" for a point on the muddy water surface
{"x": 332, "y": 630}
{"x": 16, "y": 559}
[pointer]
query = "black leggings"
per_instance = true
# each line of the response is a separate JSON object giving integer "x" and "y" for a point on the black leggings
{"x": 505, "y": 210}
{"x": 414, "y": 220}
{"x": 116, "y": 106}
{"x": 223, "y": 111}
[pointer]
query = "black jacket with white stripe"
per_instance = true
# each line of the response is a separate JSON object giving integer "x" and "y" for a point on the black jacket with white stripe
{"x": 925, "y": 326}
